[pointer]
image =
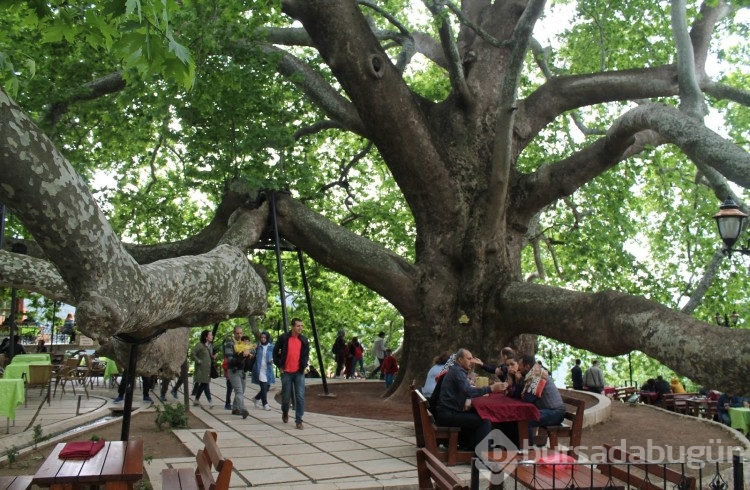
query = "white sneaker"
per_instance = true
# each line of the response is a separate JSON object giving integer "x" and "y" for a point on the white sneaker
{"x": 196, "y": 403}
{"x": 256, "y": 403}
{"x": 266, "y": 407}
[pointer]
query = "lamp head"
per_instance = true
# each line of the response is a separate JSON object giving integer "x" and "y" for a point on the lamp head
{"x": 729, "y": 221}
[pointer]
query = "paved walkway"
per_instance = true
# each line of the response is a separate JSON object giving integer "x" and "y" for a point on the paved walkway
{"x": 331, "y": 452}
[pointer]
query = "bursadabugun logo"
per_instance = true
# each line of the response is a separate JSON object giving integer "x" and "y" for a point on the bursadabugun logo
{"x": 495, "y": 452}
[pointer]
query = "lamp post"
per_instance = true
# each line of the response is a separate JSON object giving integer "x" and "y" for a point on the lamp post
{"x": 729, "y": 220}
{"x": 725, "y": 322}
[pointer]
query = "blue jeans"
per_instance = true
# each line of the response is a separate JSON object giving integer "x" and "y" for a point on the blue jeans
{"x": 296, "y": 382}
{"x": 389, "y": 380}
{"x": 237, "y": 378}
{"x": 547, "y": 416}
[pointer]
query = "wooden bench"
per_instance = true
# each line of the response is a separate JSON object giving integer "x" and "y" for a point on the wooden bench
{"x": 432, "y": 473}
{"x": 655, "y": 476}
{"x": 440, "y": 441}
{"x": 571, "y": 426}
{"x": 22, "y": 482}
{"x": 202, "y": 478}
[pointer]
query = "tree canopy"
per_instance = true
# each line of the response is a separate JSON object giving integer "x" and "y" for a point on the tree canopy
{"x": 488, "y": 179}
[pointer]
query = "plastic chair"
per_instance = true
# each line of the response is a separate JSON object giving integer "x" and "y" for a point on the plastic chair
{"x": 40, "y": 376}
{"x": 70, "y": 372}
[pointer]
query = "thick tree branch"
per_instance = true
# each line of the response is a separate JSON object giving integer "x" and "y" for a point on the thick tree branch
{"x": 348, "y": 253}
{"x": 502, "y": 150}
{"x": 691, "y": 97}
{"x": 411, "y": 151}
{"x": 455, "y": 70}
{"x": 108, "y": 84}
{"x": 624, "y": 323}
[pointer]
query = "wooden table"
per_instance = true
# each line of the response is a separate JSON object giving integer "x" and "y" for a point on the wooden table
{"x": 739, "y": 418}
{"x": 12, "y": 394}
{"x": 116, "y": 467}
{"x": 542, "y": 477}
{"x": 498, "y": 408}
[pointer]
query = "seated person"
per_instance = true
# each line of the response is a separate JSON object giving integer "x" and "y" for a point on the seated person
{"x": 514, "y": 379}
{"x": 726, "y": 401}
{"x": 454, "y": 403}
{"x": 649, "y": 386}
{"x": 676, "y": 386}
{"x": 542, "y": 392}
{"x": 501, "y": 371}
{"x": 661, "y": 387}
{"x": 17, "y": 349}
{"x": 437, "y": 366}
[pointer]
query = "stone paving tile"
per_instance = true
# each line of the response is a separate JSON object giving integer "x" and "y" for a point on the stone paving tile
{"x": 234, "y": 453}
{"x": 329, "y": 471}
{"x": 379, "y": 466}
{"x": 281, "y": 449}
{"x": 269, "y": 462}
{"x": 357, "y": 455}
{"x": 321, "y": 436}
{"x": 339, "y": 446}
{"x": 278, "y": 476}
{"x": 385, "y": 442}
{"x": 308, "y": 458}
{"x": 398, "y": 451}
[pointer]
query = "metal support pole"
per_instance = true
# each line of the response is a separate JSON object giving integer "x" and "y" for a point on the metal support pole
{"x": 737, "y": 469}
{"x": 630, "y": 368}
{"x": 308, "y": 298}
{"x": 279, "y": 268}
{"x": 129, "y": 385}
{"x": 2, "y": 226}
{"x": 13, "y": 311}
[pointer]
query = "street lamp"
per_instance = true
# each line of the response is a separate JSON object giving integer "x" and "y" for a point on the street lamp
{"x": 725, "y": 322}
{"x": 729, "y": 221}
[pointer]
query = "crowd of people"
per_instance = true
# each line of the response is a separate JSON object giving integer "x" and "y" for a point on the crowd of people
{"x": 450, "y": 392}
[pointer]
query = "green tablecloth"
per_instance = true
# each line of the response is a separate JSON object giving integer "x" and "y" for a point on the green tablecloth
{"x": 12, "y": 394}
{"x": 27, "y": 358}
{"x": 739, "y": 418}
{"x": 111, "y": 369}
{"x": 16, "y": 371}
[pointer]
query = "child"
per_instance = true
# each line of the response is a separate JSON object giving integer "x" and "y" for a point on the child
{"x": 248, "y": 346}
{"x": 389, "y": 368}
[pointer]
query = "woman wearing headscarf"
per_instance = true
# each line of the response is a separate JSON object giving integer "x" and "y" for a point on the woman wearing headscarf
{"x": 263, "y": 370}
{"x": 202, "y": 355}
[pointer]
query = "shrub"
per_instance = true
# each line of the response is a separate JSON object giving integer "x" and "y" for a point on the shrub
{"x": 174, "y": 416}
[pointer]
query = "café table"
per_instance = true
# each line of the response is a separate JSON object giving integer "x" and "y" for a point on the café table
{"x": 520, "y": 466}
{"x": 698, "y": 406}
{"x": 12, "y": 394}
{"x": 111, "y": 371}
{"x": 739, "y": 418}
{"x": 27, "y": 358}
{"x": 21, "y": 371}
{"x": 498, "y": 408}
{"x": 117, "y": 466}
{"x": 649, "y": 397}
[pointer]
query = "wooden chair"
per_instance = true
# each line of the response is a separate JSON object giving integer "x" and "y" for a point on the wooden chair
{"x": 95, "y": 370}
{"x": 657, "y": 476}
{"x": 432, "y": 473}
{"x": 207, "y": 458}
{"x": 70, "y": 372}
{"x": 440, "y": 441}
{"x": 22, "y": 482}
{"x": 40, "y": 376}
{"x": 571, "y": 426}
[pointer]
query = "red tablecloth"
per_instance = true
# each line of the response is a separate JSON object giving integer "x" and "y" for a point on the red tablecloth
{"x": 609, "y": 390}
{"x": 499, "y": 408}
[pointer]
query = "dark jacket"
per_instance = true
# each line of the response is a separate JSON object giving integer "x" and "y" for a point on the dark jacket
{"x": 281, "y": 347}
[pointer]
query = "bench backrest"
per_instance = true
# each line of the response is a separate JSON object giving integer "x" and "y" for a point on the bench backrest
{"x": 432, "y": 473}
{"x": 653, "y": 470}
{"x": 427, "y": 421}
{"x": 210, "y": 457}
{"x": 574, "y": 410}
{"x": 415, "y": 395}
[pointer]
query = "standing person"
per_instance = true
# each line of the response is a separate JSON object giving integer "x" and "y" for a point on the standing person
{"x": 263, "y": 370}
{"x": 69, "y": 327}
{"x": 235, "y": 354}
{"x": 357, "y": 360}
{"x": 378, "y": 350}
{"x": 389, "y": 368}
{"x": 577, "y": 374}
{"x": 339, "y": 352}
{"x": 203, "y": 356}
{"x": 290, "y": 354}
{"x": 594, "y": 379}
{"x": 349, "y": 360}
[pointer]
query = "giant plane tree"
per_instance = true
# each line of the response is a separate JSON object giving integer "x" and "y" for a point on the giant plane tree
{"x": 489, "y": 180}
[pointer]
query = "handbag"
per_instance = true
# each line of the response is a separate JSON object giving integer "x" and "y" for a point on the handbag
{"x": 214, "y": 370}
